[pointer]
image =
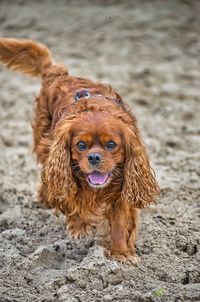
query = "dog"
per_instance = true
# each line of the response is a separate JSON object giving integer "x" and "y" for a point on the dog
{"x": 94, "y": 165}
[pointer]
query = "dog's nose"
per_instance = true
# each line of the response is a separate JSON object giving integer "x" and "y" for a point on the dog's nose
{"x": 94, "y": 158}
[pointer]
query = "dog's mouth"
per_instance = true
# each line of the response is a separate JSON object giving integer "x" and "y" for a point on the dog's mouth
{"x": 98, "y": 180}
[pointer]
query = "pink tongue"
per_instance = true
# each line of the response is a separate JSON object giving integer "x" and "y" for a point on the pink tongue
{"x": 97, "y": 178}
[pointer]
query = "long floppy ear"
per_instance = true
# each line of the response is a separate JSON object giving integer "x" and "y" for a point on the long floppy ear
{"x": 57, "y": 173}
{"x": 140, "y": 187}
{"x": 27, "y": 56}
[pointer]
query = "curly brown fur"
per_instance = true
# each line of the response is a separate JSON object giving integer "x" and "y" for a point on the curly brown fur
{"x": 94, "y": 164}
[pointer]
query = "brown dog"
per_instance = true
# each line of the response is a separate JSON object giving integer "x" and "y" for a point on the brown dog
{"x": 94, "y": 165}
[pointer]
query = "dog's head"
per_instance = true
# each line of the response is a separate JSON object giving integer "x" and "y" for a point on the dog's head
{"x": 102, "y": 150}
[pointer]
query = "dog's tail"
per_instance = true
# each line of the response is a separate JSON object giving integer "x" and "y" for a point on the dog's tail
{"x": 27, "y": 56}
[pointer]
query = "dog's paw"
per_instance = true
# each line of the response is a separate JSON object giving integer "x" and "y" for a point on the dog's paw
{"x": 78, "y": 229}
{"x": 123, "y": 257}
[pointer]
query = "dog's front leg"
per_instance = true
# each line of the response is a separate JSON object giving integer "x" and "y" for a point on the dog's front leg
{"x": 121, "y": 235}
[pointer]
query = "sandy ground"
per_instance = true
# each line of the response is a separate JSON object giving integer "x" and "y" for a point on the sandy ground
{"x": 149, "y": 52}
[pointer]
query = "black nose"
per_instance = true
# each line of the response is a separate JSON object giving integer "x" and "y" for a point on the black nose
{"x": 94, "y": 158}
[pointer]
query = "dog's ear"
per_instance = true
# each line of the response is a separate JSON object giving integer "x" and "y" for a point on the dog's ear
{"x": 57, "y": 173}
{"x": 26, "y": 56}
{"x": 140, "y": 187}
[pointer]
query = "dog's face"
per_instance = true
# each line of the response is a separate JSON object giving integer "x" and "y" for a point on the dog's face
{"x": 97, "y": 150}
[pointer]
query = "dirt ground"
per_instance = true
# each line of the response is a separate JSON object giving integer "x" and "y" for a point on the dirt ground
{"x": 149, "y": 51}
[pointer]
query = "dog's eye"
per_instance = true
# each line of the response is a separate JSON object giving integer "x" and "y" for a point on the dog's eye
{"x": 81, "y": 146}
{"x": 111, "y": 145}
